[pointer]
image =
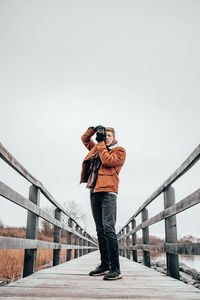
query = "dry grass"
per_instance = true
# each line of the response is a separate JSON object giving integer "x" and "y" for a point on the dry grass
{"x": 11, "y": 265}
{"x": 12, "y": 261}
{"x": 13, "y": 232}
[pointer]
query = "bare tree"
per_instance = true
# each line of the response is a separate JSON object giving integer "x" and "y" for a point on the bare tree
{"x": 1, "y": 224}
{"x": 76, "y": 212}
{"x": 46, "y": 227}
{"x": 73, "y": 209}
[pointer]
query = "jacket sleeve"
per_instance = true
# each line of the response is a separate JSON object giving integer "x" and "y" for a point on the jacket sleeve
{"x": 86, "y": 139}
{"x": 115, "y": 158}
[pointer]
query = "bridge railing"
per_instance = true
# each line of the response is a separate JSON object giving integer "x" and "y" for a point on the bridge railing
{"x": 77, "y": 238}
{"x": 127, "y": 236}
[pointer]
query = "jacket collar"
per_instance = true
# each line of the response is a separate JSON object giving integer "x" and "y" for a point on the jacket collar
{"x": 113, "y": 145}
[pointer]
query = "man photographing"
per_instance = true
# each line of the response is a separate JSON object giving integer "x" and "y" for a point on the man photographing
{"x": 100, "y": 171}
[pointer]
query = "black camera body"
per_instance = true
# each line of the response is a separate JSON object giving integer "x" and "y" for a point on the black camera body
{"x": 100, "y": 134}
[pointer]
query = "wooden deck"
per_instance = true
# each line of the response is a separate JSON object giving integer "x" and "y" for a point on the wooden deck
{"x": 70, "y": 280}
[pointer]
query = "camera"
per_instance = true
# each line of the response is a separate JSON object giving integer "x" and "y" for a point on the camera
{"x": 101, "y": 130}
{"x": 100, "y": 134}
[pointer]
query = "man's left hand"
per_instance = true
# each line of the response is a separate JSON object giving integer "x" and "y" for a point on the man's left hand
{"x": 100, "y": 137}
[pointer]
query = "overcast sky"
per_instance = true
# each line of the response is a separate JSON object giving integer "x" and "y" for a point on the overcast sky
{"x": 133, "y": 65}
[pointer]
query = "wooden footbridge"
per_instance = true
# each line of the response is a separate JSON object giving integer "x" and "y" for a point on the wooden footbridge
{"x": 70, "y": 280}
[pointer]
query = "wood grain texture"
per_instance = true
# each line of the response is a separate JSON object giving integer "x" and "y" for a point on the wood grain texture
{"x": 145, "y": 239}
{"x": 71, "y": 281}
{"x": 32, "y": 229}
{"x": 187, "y": 202}
{"x": 171, "y": 234}
{"x": 10, "y": 194}
{"x": 11, "y": 160}
{"x": 185, "y": 166}
{"x": 188, "y": 249}
{"x": 18, "y": 243}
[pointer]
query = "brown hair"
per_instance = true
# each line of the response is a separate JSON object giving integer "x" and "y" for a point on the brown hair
{"x": 111, "y": 129}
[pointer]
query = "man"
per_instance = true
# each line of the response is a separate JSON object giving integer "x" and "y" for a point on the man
{"x": 100, "y": 171}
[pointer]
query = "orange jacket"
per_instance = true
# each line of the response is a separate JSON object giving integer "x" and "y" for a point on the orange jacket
{"x": 111, "y": 163}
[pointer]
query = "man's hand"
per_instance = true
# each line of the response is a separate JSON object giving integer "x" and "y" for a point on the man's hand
{"x": 100, "y": 133}
{"x": 100, "y": 137}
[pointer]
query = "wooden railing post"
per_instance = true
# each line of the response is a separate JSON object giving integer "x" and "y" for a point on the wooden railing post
{"x": 92, "y": 245}
{"x": 134, "y": 241}
{"x": 31, "y": 233}
{"x": 127, "y": 242}
{"x": 69, "y": 240}
{"x": 84, "y": 243}
{"x": 171, "y": 234}
{"x": 145, "y": 239}
{"x": 120, "y": 243}
{"x": 80, "y": 243}
{"x": 57, "y": 238}
{"x": 123, "y": 243}
{"x": 89, "y": 243}
{"x": 76, "y": 242}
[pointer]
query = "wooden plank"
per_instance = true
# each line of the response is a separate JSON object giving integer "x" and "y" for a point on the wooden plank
{"x": 71, "y": 281}
{"x": 10, "y": 194}
{"x": 134, "y": 241}
{"x": 32, "y": 227}
{"x": 10, "y": 160}
{"x": 69, "y": 240}
{"x": 185, "y": 166}
{"x": 127, "y": 242}
{"x": 188, "y": 249}
{"x": 145, "y": 239}
{"x": 123, "y": 243}
{"x": 171, "y": 234}
{"x": 147, "y": 247}
{"x": 57, "y": 239}
{"x": 76, "y": 243}
{"x": 187, "y": 202}
{"x": 18, "y": 243}
{"x": 81, "y": 243}
{"x": 100, "y": 293}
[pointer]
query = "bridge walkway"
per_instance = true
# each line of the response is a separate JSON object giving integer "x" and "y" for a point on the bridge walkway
{"x": 70, "y": 280}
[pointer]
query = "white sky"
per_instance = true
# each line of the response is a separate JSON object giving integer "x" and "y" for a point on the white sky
{"x": 132, "y": 65}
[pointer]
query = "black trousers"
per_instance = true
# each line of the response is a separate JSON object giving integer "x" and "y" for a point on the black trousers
{"x": 104, "y": 206}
